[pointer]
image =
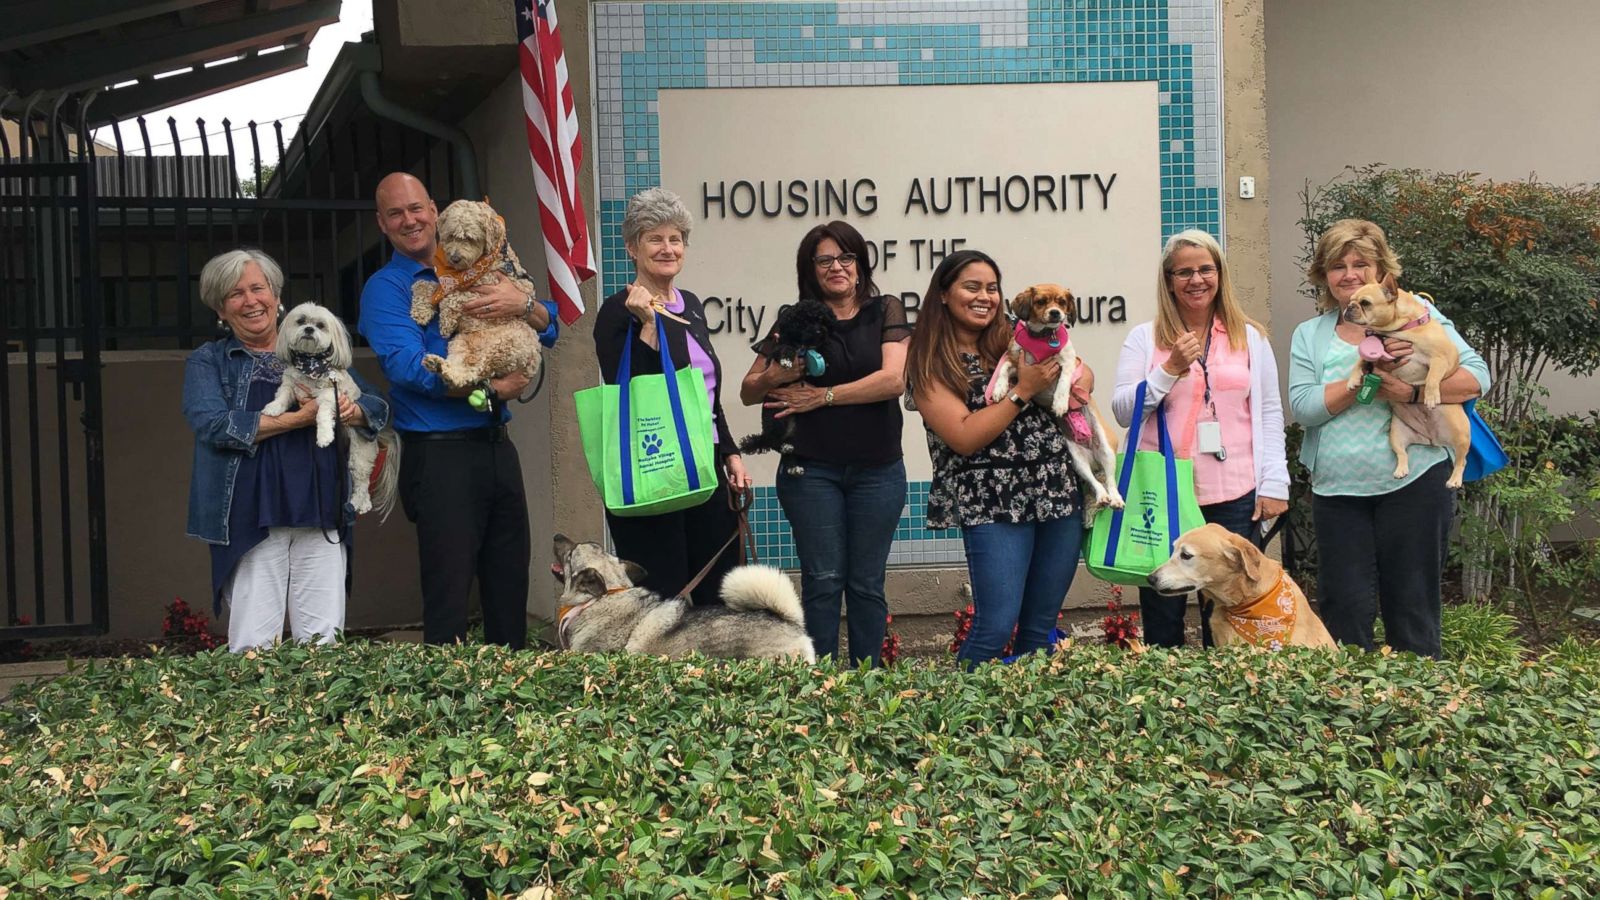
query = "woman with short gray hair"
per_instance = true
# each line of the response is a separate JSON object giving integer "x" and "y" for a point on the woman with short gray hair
{"x": 222, "y": 274}
{"x": 269, "y": 501}
{"x": 672, "y": 547}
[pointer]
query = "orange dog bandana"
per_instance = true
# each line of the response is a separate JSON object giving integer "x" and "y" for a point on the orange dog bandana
{"x": 452, "y": 280}
{"x": 1268, "y": 620}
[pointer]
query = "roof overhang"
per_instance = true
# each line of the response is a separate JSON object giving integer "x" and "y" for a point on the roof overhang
{"x": 137, "y": 56}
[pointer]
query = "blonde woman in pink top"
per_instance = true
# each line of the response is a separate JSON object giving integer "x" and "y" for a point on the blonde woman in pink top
{"x": 1213, "y": 367}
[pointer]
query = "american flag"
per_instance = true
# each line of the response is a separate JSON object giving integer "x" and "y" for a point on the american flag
{"x": 556, "y": 152}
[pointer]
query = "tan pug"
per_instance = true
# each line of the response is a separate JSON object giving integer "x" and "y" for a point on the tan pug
{"x": 1254, "y": 600}
{"x": 1389, "y": 312}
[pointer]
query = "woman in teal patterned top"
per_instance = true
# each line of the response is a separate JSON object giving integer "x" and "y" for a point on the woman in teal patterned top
{"x": 1381, "y": 540}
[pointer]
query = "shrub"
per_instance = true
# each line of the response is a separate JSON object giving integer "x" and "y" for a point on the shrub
{"x": 1552, "y": 484}
{"x": 1479, "y": 634}
{"x": 375, "y": 769}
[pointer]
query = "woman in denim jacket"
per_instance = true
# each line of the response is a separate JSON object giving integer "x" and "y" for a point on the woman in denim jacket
{"x": 269, "y": 501}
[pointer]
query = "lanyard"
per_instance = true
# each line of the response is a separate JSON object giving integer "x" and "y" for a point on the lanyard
{"x": 1202, "y": 397}
{"x": 1205, "y": 372}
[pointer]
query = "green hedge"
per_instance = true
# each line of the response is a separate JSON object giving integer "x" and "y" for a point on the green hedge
{"x": 375, "y": 770}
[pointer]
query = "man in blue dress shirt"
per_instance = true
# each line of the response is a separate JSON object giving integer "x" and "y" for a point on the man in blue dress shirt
{"x": 460, "y": 478}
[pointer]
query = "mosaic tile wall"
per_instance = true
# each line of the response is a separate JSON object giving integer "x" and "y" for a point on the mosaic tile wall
{"x": 641, "y": 48}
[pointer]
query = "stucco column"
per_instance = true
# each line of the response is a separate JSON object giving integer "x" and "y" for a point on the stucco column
{"x": 1244, "y": 136}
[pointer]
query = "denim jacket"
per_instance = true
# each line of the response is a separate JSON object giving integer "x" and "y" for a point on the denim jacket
{"x": 216, "y": 383}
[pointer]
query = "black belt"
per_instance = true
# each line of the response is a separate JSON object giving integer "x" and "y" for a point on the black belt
{"x": 489, "y": 434}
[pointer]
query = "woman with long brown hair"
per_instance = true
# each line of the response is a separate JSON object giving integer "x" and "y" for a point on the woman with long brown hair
{"x": 1002, "y": 473}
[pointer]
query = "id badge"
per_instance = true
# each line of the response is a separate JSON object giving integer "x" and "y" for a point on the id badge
{"x": 1208, "y": 436}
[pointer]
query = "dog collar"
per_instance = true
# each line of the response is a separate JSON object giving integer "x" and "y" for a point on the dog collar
{"x": 566, "y": 615}
{"x": 1371, "y": 346}
{"x": 314, "y": 365}
{"x": 1268, "y": 620}
{"x": 1040, "y": 346}
{"x": 453, "y": 280}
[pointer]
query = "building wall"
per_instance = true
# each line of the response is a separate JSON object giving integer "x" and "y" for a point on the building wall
{"x": 1504, "y": 89}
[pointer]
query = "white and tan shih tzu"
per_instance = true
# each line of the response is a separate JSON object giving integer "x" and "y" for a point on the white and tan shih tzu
{"x": 315, "y": 348}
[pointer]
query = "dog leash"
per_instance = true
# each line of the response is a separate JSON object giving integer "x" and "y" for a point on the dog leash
{"x": 739, "y": 502}
{"x": 741, "y": 533}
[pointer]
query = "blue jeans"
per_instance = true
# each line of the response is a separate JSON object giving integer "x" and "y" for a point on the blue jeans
{"x": 1020, "y": 574}
{"x": 843, "y": 518}
{"x": 1163, "y": 616}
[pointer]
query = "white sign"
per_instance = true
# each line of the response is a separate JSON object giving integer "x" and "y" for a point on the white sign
{"x": 1057, "y": 182}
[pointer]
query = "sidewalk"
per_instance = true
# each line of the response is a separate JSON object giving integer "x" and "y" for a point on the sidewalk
{"x": 13, "y": 674}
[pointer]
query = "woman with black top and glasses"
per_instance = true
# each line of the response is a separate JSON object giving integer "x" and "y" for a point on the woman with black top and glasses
{"x": 847, "y": 487}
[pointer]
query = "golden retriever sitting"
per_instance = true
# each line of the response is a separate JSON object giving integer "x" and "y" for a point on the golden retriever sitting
{"x": 473, "y": 250}
{"x": 1254, "y": 600}
{"x": 1388, "y": 312}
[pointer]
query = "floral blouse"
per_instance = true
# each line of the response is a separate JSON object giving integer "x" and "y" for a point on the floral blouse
{"x": 1024, "y": 475}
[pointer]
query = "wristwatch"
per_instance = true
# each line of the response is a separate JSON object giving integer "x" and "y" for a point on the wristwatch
{"x": 527, "y": 308}
{"x": 827, "y": 399}
{"x": 1416, "y": 393}
{"x": 1021, "y": 403}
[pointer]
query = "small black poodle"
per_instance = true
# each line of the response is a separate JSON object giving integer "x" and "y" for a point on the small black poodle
{"x": 796, "y": 340}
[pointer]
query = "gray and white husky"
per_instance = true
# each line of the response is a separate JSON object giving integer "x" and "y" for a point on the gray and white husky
{"x": 601, "y": 610}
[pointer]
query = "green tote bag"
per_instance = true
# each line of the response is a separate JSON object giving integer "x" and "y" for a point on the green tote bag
{"x": 648, "y": 438}
{"x": 1126, "y": 545}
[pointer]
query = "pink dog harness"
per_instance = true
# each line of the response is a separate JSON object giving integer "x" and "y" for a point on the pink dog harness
{"x": 1371, "y": 346}
{"x": 1040, "y": 347}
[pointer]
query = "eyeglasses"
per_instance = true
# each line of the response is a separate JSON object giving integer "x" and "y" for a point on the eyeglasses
{"x": 1189, "y": 274}
{"x": 845, "y": 261}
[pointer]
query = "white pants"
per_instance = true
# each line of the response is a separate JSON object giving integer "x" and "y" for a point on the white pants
{"x": 301, "y": 569}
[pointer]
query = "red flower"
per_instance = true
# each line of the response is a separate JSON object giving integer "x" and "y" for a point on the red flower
{"x": 891, "y": 644}
{"x": 182, "y": 622}
{"x": 1120, "y": 628}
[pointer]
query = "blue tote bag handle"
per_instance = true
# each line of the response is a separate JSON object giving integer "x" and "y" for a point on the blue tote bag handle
{"x": 625, "y": 421}
{"x": 1164, "y": 443}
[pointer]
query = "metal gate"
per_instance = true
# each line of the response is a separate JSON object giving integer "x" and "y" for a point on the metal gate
{"x": 52, "y": 465}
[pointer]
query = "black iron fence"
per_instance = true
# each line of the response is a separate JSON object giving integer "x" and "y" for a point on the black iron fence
{"x": 101, "y": 246}
{"x": 161, "y": 212}
{"x": 51, "y": 436}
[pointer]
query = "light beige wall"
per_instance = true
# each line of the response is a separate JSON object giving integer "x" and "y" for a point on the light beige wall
{"x": 1504, "y": 89}
{"x": 148, "y": 454}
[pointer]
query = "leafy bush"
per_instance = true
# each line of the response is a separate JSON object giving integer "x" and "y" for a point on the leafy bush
{"x": 1551, "y": 484}
{"x": 371, "y": 769}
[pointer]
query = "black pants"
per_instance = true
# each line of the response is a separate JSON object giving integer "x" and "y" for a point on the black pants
{"x": 673, "y": 547}
{"x": 1385, "y": 554}
{"x": 467, "y": 500}
{"x": 1163, "y": 616}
